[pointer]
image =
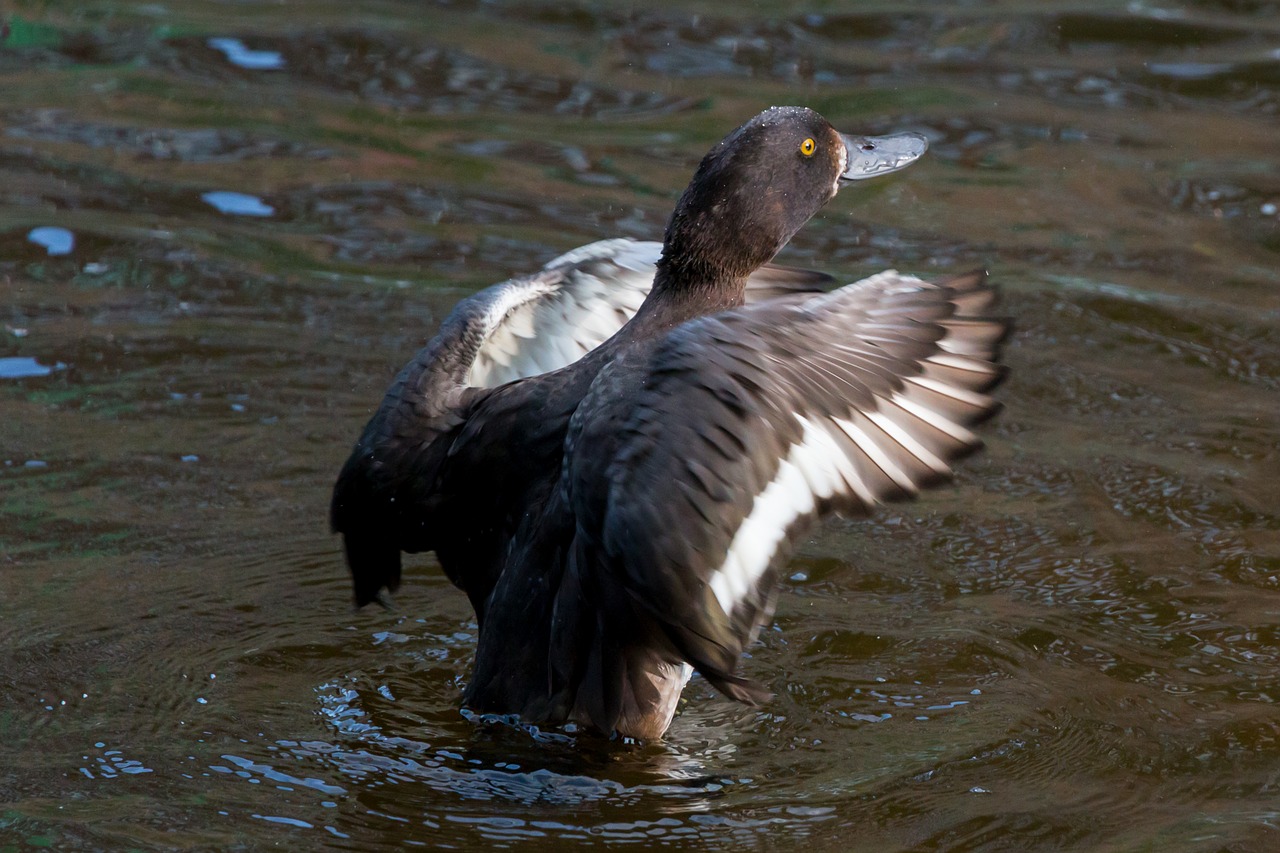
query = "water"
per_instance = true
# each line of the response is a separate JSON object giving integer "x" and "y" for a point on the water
{"x": 1077, "y": 647}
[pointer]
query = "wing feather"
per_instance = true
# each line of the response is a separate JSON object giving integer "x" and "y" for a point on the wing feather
{"x": 752, "y": 422}
{"x": 542, "y": 322}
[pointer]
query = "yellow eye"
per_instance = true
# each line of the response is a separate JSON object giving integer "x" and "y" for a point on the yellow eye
{"x": 807, "y": 147}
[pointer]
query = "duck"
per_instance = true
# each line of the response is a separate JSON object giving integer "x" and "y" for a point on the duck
{"x": 613, "y": 457}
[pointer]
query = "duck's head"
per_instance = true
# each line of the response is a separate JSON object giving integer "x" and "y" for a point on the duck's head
{"x": 759, "y": 184}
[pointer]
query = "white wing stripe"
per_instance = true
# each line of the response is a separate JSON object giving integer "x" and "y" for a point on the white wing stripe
{"x": 933, "y": 419}
{"x": 757, "y": 539}
{"x": 968, "y": 397}
{"x": 815, "y": 467}
{"x": 961, "y": 362}
{"x": 908, "y": 443}
{"x": 845, "y": 466}
{"x": 819, "y": 461}
{"x": 877, "y": 455}
{"x": 533, "y": 327}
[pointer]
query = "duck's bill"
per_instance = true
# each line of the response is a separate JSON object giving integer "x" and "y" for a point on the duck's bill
{"x": 872, "y": 156}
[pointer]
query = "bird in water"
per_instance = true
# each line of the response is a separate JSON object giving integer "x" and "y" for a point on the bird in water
{"x": 612, "y": 456}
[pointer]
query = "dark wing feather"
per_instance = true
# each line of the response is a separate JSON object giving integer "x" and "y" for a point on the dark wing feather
{"x": 749, "y": 423}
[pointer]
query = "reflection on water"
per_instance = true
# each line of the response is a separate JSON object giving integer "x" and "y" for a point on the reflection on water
{"x": 20, "y": 367}
{"x": 110, "y": 763}
{"x": 238, "y": 204}
{"x": 56, "y": 241}
{"x": 220, "y": 237}
{"x": 239, "y": 55}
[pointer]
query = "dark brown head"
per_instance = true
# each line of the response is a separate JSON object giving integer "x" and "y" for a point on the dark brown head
{"x": 759, "y": 184}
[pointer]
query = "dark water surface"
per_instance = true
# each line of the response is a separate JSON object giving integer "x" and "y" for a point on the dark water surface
{"x": 224, "y": 226}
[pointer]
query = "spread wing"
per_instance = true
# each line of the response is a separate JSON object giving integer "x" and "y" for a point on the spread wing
{"x": 752, "y": 422}
{"x": 545, "y": 321}
{"x": 539, "y": 323}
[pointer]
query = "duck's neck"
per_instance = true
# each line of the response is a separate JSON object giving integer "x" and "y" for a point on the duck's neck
{"x": 682, "y": 292}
